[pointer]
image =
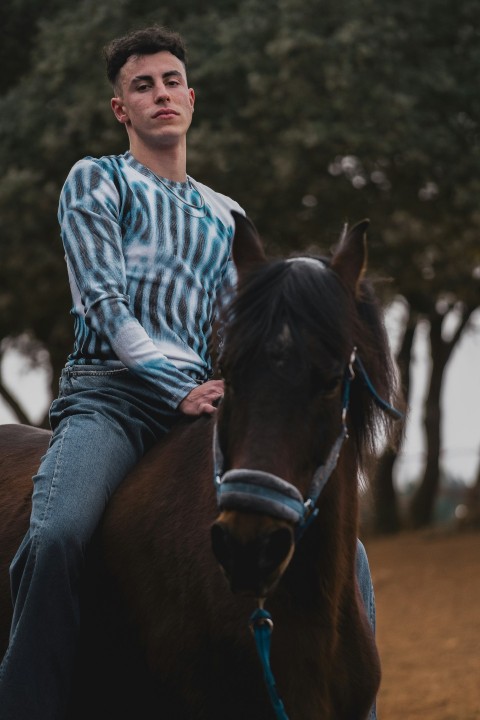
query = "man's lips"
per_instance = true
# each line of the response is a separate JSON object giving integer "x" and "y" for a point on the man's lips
{"x": 165, "y": 114}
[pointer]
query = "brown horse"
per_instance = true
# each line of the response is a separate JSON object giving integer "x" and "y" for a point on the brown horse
{"x": 306, "y": 364}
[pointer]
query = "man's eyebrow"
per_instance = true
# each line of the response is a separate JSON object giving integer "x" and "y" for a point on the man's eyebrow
{"x": 170, "y": 73}
{"x": 165, "y": 76}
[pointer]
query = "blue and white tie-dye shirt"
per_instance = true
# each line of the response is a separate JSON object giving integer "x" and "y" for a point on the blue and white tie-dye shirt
{"x": 148, "y": 261}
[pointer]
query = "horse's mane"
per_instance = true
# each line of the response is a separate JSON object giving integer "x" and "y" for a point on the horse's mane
{"x": 312, "y": 300}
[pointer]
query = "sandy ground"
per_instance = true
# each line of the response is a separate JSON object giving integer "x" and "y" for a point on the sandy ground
{"x": 427, "y": 587}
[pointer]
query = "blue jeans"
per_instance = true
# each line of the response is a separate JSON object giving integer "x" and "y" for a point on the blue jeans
{"x": 103, "y": 422}
{"x": 366, "y": 588}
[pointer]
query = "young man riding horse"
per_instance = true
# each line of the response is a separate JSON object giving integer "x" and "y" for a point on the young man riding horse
{"x": 148, "y": 254}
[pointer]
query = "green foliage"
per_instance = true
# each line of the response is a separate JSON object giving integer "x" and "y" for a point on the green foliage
{"x": 310, "y": 114}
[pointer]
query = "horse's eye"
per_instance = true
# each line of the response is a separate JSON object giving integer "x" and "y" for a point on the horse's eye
{"x": 330, "y": 386}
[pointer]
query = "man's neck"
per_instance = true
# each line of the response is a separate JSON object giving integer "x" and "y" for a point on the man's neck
{"x": 167, "y": 162}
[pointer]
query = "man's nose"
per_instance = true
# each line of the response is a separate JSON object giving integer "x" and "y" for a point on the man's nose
{"x": 161, "y": 93}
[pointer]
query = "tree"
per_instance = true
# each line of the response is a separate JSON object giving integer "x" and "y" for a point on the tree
{"x": 308, "y": 118}
{"x": 422, "y": 504}
{"x": 367, "y": 107}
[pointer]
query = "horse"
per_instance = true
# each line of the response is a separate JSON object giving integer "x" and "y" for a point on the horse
{"x": 253, "y": 508}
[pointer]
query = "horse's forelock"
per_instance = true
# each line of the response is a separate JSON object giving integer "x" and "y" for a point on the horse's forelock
{"x": 303, "y": 295}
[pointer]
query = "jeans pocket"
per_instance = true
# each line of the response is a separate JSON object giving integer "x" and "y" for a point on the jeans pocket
{"x": 89, "y": 377}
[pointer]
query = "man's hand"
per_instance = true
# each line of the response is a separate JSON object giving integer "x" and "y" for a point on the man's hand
{"x": 202, "y": 398}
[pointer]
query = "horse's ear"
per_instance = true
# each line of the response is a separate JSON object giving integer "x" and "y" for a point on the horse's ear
{"x": 350, "y": 257}
{"x": 247, "y": 247}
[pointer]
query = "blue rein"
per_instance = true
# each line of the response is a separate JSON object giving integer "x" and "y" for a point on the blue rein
{"x": 255, "y": 490}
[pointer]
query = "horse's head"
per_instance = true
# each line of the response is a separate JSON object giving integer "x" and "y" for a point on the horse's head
{"x": 290, "y": 393}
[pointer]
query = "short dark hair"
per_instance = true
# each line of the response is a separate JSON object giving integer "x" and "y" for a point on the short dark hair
{"x": 142, "y": 42}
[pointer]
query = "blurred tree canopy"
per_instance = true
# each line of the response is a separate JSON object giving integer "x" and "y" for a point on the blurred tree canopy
{"x": 309, "y": 114}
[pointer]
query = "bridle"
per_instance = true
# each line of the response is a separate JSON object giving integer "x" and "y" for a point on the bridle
{"x": 256, "y": 490}
{"x": 259, "y": 491}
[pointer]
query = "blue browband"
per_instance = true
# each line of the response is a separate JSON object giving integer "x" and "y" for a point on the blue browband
{"x": 263, "y": 492}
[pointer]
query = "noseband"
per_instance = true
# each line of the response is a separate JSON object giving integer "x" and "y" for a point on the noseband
{"x": 263, "y": 492}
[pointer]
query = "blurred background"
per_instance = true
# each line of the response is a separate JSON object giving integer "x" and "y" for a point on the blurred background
{"x": 311, "y": 115}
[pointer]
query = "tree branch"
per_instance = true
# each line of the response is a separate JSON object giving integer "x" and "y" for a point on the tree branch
{"x": 13, "y": 404}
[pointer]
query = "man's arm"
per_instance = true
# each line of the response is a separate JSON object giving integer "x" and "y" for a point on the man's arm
{"x": 91, "y": 235}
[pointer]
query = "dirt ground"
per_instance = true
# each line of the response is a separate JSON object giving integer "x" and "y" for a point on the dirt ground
{"x": 427, "y": 588}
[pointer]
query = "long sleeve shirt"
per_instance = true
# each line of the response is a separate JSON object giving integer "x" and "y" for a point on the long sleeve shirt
{"x": 148, "y": 260}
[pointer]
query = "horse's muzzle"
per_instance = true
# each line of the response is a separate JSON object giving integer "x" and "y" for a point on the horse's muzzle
{"x": 252, "y": 553}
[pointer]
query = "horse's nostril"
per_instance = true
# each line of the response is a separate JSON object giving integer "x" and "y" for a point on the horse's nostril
{"x": 253, "y": 566}
{"x": 276, "y": 548}
{"x": 221, "y": 545}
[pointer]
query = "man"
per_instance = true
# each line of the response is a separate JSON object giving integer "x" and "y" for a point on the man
{"x": 148, "y": 256}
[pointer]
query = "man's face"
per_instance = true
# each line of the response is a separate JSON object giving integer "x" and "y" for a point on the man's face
{"x": 153, "y": 99}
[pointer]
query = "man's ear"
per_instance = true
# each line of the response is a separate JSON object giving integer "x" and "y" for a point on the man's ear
{"x": 119, "y": 110}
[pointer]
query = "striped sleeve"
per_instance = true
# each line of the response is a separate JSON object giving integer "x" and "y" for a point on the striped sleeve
{"x": 92, "y": 240}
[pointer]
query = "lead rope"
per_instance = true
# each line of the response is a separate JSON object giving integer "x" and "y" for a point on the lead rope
{"x": 261, "y": 624}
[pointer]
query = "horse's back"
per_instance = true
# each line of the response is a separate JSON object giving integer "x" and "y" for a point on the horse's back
{"x": 21, "y": 449}
{"x": 20, "y": 446}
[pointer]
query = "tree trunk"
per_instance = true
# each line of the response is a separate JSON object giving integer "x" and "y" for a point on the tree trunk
{"x": 16, "y": 408}
{"x": 423, "y": 501}
{"x": 13, "y": 405}
{"x": 472, "y": 499}
{"x": 386, "y": 519}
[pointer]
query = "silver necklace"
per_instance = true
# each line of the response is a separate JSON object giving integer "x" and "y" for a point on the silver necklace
{"x": 184, "y": 203}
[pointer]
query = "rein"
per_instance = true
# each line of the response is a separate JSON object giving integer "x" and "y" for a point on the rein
{"x": 244, "y": 489}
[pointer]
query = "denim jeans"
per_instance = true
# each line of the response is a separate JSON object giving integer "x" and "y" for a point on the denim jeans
{"x": 103, "y": 422}
{"x": 366, "y": 588}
